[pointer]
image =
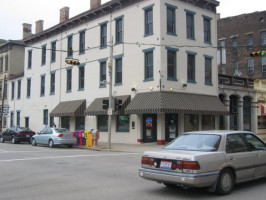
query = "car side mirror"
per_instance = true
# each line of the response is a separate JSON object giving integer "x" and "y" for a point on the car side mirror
{"x": 38, "y": 133}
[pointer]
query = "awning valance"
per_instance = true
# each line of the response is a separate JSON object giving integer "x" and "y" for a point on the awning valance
{"x": 174, "y": 102}
{"x": 96, "y": 107}
{"x": 69, "y": 108}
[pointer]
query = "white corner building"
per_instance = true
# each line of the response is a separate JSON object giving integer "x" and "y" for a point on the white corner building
{"x": 164, "y": 70}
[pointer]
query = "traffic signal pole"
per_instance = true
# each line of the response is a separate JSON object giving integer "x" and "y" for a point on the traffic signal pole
{"x": 110, "y": 66}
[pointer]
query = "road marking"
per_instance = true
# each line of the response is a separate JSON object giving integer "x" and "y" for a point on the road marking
{"x": 74, "y": 156}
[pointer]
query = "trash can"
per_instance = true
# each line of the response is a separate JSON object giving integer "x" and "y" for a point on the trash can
{"x": 88, "y": 137}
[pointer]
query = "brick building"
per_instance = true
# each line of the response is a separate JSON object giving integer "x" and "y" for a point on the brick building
{"x": 237, "y": 37}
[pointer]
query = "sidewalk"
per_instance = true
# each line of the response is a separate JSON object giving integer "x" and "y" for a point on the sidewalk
{"x": 131, "y": 148}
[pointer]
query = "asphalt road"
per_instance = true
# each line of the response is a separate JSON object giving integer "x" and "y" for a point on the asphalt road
{"x": 42, "y": 173}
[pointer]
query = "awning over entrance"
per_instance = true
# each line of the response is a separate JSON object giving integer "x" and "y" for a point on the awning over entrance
{"x": 96, "y": 107}
{"x": 69, "y": 108}
{"x": 174, "y": 102}
{"x": 263, "y": 109}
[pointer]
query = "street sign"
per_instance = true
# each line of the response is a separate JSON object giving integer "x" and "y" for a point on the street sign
{"x": 110, "y": 111}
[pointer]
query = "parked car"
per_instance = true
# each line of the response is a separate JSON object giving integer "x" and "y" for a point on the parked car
{"x": 16, "y": 135}
{"x": 53, "y": 137}
{"x": 214, "y": 159}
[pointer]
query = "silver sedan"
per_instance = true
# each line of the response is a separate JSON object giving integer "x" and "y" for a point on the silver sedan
{"x": 53, "y": 137}
{"x": 214, "y": 159}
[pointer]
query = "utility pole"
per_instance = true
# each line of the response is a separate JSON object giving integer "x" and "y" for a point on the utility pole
{"x": 3, "y": 101}
{"x": 110, "y": 66}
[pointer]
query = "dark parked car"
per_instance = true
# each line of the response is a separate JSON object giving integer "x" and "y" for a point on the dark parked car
{"x": 16, "y": 135}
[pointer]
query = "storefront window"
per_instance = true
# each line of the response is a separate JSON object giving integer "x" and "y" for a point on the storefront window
{"x": 261, "y": 122}
{"x": 208, "y": 122}
{"x": 191, "y": 123}
{"x": 102, "y": 123}
{"x": 123, "y": 123}
{"x": 80, "y": 123}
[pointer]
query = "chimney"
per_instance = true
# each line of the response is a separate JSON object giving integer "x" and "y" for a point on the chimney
{"x": 38, "y": 26}
{"x": 26, "y": 30}
{"x": 64, "y": 14}
{"x": 95, "y": 4}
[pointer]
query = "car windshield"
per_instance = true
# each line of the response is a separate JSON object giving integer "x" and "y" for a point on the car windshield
{"x": 195, "y": 142}
{"x": 62, "y": 130}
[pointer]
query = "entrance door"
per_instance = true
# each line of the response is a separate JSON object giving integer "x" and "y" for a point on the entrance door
{"x": 171, "y": 127}
{"x": 149, "y": 128}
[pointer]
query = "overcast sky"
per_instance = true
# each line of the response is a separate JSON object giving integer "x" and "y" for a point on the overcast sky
{"x": 16, "y": 12}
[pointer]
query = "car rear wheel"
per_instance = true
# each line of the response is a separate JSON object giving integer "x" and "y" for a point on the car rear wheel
{"x": 225, "y": 182}
{"x": 51, "y": 143}
{"x": 33, "y": 142}
{"x": 2, "y": 140}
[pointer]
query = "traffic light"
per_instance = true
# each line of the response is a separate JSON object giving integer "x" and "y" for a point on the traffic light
{"x": 118, "y": 104}
{"x": 72, "y": 61}
{"x": 257, "y": 53}
{"x": 105, "y": 104}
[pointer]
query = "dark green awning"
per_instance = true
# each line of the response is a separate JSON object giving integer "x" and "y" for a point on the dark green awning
{"x": 174, "y": 102}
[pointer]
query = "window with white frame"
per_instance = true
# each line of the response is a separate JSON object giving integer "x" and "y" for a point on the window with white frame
{"x": 250, "y": 66}
{"x": 263, "y": 38}
{"x": 263, "y": 61}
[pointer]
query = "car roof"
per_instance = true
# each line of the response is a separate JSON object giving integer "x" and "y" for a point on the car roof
{"x": 218, "y": 132}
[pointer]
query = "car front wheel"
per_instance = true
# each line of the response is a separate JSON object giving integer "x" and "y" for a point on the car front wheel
{"x": 13, "y": 140}
{"x": 51, "y": 143}
{"x": 33, "y": 142}
{"x": 225, "y": 182}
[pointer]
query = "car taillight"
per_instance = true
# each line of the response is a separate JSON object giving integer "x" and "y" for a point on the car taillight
{"x": 147, "y": 161}
{"x": 193, "y": 165}
{"x": 60, "y": 135}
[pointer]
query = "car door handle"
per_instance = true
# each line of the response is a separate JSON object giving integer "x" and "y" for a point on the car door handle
{"x": 258, "y": 155}
{"x": 232, "y": 158}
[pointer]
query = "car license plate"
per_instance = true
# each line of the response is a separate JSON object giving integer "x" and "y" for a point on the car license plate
{"x": 166, "y": 165}
{"x": 27, "y": 135}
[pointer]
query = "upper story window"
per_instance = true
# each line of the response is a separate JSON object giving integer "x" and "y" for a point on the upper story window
{"x": 102, "y": 74}
{"x": 191, "y": 65}
{"x": 118, "y": 71}
{"x": 103, "y": 35}
{"x": 43, "y": 55}
{"x": 119, "y": 30}
{"x": 19, "y": 90}
{"x": 53, "y": 51}
{"x": 207, "y": 29}
{"x": 6, "y": 63}
{"x": 69, "y": 80}
{"x": 263, "y": 61}
{"x": 250, "y": 41}
{"x": 148, "y": 68}
{"x": 171, "y": 21}
{"x": 2, "y": 64}
{"x": 148, "y": 20}
{"x": 70, "y": 46}
{"x": 234, "y": 44}
{"x": 171, "y": 63}
{"x": 42, "y": 92}
{"x": 82, "y": 42}
{"x": 250, "y": 66}
{"x": 190, "y": 25}
{"x": 52, "y": 83}
{"x": 208, "y": 70}
{"x": 81, "y": 77}
{"x": 12, "y": 90}
{"x": 263, "y": 38}
{"x": 28, "y": 87}
{"x": 235, "y": 67}
{"x": 29, "y": 59}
